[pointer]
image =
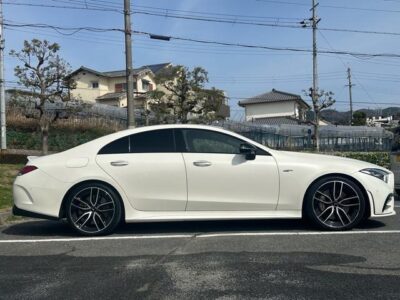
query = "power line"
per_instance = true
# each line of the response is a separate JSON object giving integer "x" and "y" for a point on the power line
{"x": 279, "y": 23}
{"x": 334, "y": 6}
{"x": 152, "y": 45}
{"x": 205, "y": 19}
{"x": 356, "y": 54}
{"x": 61, "y": 7}
{"x": 358, "y": 81}
{"x": 74, "y": 30}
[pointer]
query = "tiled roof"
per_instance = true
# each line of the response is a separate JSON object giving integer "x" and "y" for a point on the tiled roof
{"x": 273, "y": 96}
{"x": 120, "y": 73}
{"x": 157, "y": 67}
{"x": 110, "y": 96}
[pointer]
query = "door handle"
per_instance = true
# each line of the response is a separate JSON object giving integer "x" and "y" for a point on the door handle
{"x": 119, "y": 163}
{"x": 202, "y": 163}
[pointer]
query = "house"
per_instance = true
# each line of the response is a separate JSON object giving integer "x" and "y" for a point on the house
{"x": 380, "y": 121}
{"x": 275, "y": 108}
{"x": 110, "y": 87}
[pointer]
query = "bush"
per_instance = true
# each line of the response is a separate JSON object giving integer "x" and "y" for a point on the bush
{"x": 12, "y": 158}
{"x": 59, "y": 139}
{"x": 378, "y": 158}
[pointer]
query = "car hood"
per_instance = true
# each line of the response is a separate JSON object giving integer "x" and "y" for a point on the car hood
{"x": 324, "y": 161}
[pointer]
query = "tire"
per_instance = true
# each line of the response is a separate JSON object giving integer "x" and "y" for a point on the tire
{"x": 93, "y": 209}
{"x": 335, "y": 203}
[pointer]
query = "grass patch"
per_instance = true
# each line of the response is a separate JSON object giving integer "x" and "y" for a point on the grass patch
{"x": 59, "y": 140}
{"x": 8, "y": 172}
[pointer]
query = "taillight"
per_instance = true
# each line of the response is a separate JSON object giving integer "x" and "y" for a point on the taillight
{"x": 26, "y": 170}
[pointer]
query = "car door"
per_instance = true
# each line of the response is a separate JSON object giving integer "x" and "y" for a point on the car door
{"x": 222, "y": 179}
{"x": 149, "y": 169}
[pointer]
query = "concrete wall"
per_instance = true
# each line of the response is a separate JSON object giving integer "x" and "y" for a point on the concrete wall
{"x": 84, "y": 88}
{"x": 273, "y": 109}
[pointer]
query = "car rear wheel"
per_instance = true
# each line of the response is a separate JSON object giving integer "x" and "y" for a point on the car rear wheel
{"x": 93, "y": 209}
{"x": 335, "y": 203}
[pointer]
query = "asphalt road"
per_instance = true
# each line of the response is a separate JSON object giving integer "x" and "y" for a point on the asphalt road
{"x": 283, "y": 259}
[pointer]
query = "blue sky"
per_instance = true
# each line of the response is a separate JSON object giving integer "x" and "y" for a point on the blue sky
{"x": 240, "y": 72}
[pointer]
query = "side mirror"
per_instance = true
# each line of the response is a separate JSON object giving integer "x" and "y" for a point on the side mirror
{"x": 248, "y": 150}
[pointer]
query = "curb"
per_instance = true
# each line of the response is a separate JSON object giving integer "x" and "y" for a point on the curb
{"x": 4, "y": 215}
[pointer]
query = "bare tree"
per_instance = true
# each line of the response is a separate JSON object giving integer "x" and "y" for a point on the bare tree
{"x": 45, "y": 75}
{"x": 321, "y": 101}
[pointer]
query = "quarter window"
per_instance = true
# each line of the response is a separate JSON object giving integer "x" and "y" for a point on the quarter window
{"x": 116, "y": 147}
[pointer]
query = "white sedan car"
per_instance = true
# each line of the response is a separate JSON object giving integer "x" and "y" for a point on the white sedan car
{"x": 192, "y": 172}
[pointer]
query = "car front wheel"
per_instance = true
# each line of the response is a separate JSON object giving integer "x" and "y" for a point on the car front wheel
{"x": 335, "y": 203}
{"x": 93, "y": 209}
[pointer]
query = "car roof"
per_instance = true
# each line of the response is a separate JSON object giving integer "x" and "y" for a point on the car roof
{"x": 94, "y": 145}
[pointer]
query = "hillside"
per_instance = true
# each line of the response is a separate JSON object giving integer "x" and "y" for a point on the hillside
{"x": 342, "y": 117}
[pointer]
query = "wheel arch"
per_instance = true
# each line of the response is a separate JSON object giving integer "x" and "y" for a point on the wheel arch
{"x": 61, "y": 213}
{"x": 367, "y": 212}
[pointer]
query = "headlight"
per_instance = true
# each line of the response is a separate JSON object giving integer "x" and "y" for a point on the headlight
{"x": 378, "y": 173}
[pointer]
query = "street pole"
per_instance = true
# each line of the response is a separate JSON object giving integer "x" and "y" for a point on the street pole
{"x": 315, "y": 93}
{"x": 2, "y": 91}
{"x": 129, "y": 65}
{"x": 315, "y": 21}
{"x": 350, "y": 85}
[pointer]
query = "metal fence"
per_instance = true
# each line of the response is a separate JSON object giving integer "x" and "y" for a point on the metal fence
{"x": 284, "y": 136}
{"x": 299, "y": 137}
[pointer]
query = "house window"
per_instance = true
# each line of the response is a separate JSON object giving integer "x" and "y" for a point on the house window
{"x": 147, "y": 86}
{"x": 121, "y": 87}
{"x": 95, "y": 84}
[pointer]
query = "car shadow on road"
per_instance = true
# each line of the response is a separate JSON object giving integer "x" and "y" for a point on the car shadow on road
{"x": 43, "y": 228}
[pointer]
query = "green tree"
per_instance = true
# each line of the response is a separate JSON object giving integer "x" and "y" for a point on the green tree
{"x": 45, "y": 75}
{"x": 321, "y": 101}
{"x": 359, "y": 118}
{"x": 182, "y": 93}
{"x": 209, "y": 104}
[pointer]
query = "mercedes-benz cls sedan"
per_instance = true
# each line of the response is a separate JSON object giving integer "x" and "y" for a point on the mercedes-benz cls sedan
{"x": 192, "y": 172}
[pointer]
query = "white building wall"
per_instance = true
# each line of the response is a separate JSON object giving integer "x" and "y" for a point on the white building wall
{"x": 84, "y": 90}
{"x": 272, "y": 109}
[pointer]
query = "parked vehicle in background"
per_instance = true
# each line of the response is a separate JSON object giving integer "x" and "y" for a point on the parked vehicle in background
{"x": 194, "y": 172}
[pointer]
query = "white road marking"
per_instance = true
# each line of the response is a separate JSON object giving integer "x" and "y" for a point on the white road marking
{"x": 211, "y": 235}
{"x": 100, "y": 238}
{"x": 297, "y": 233}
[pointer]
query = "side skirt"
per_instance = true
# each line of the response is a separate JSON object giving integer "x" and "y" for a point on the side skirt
{"x": 141, "y": 216}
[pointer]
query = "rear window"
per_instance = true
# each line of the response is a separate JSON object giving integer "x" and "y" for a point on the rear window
{"x": 153, "y": 141}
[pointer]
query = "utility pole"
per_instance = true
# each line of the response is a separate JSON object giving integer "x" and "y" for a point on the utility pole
{"x": 129, "y": 65}
{"x": 315, "y": 21}
{"x": 2, "y": 91}
{"x": 350, "y": 85}
{"x": 314, "y": 93}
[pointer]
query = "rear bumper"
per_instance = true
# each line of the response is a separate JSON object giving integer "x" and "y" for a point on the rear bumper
{"x": 25, "y": 213}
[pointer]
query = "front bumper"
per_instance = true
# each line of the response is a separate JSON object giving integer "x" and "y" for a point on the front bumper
{"x": 380, "y": 194}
